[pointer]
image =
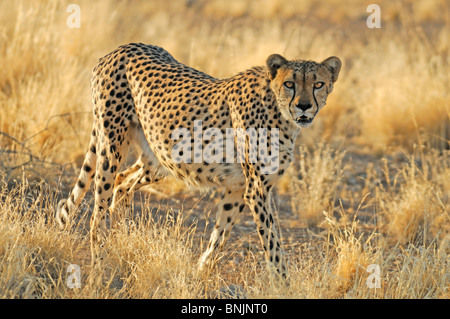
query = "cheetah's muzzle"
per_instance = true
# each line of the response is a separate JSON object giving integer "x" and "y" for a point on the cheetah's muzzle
{"x": 303, "y": 120}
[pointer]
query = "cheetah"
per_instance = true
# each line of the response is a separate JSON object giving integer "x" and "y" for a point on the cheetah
{"x": 141, "y": 95}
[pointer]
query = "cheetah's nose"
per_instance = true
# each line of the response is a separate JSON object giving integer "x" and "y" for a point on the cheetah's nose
{"x": 304, "y": 106}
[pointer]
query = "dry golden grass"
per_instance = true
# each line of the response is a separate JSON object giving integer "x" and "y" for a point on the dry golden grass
{"x": 313, "y": 185}
{"x": 34, "y": 254}
{"x": 419, "y": 209}
{"x": 156, "y": 257}
{"x": 391, "y": 102}
{"x": 354, "y": 255}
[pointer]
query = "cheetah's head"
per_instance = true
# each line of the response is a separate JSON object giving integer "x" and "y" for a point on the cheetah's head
{"x": 301, "y": 87}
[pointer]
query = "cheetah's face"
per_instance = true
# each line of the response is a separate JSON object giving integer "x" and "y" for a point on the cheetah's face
{"x": 301, "y": 87}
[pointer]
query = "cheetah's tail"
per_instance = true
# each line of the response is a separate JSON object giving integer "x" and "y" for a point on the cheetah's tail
{"x": 67, "y": 207}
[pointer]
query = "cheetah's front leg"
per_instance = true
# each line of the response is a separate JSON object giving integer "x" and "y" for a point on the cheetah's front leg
{"x": 257, "y": 197}
{"x": 231, "y": 204}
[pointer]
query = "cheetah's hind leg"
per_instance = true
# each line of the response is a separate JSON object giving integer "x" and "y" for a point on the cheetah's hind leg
{"x": 143, "y": 173}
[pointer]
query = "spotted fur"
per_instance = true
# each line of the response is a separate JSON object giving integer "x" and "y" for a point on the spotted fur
{"x": 141, "y": 94}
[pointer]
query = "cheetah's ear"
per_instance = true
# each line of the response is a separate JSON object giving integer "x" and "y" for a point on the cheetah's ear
{"x": 334, "y": 65}
{"x": 274, "y": 62}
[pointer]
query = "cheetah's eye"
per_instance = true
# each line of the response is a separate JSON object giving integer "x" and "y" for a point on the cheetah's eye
{"x": 289, "y": 84}
{"x": 318, "y": 85}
